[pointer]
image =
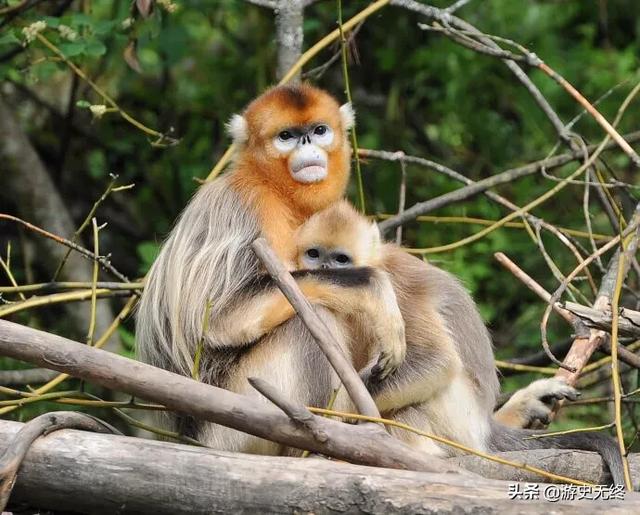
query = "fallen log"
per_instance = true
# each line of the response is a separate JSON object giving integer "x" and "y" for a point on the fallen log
{"x": 98, "y": 473}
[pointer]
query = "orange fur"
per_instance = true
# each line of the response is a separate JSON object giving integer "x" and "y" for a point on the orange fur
{"x": 260, "y": 172}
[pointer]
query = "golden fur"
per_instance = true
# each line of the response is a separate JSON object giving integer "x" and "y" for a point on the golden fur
{"x": 446, "y": 384}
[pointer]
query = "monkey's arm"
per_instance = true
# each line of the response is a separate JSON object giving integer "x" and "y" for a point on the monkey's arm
{"x": 362, "y": 291}
{"x": 431, "y": 364}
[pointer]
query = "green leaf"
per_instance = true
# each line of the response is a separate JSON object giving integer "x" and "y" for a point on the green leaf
{"x": 95, "y": 48}
{"x": 9, "y": 38}
{"x": 72, "y": 49}
{"x": 83, "y": 103}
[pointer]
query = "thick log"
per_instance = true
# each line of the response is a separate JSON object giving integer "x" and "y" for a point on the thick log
{"x": 96, "y": 473}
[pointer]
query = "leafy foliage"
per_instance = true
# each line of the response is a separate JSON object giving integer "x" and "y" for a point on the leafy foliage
{"x": 414, "y": 90}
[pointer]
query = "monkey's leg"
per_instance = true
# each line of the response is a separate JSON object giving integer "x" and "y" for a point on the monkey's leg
{"x": 534, "y": 403}
{"x": 454, "y": 413}
{"x": 290, "y": 360}
{"x": 362, "y": 291}
{"x": 423, "y": 374}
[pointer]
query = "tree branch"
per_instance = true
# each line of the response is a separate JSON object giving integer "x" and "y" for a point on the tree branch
{"x": 15, "y": 452}
{"x": 366, "y": 444}
{"x": 327, "y": 342}
{"x": 474, "y": 187}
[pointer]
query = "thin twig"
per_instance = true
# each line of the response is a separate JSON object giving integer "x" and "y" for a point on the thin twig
{"x": 6, "y": 266}
{"x": 570, "y": 431}
{"x": 524, "y": 368}
{"x": 161, "y": 139}
{"x": 402, "y": 197}
{"x": 69, "y": 285}
{"x": 92, "y": 314}
{"x": 104, "y": 262}
{"x": 483, "y": 221}
{"x": 347, "y": 90}
{"x": 59, "y": 298}
{"x": 446, "y": 441}
{"x": 111, "y": 187}
{"x": 615, "y": 373}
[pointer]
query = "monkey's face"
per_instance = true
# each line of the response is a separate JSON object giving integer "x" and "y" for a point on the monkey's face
{"x": 337, "y": 237}
{"x": 305, "y": 148}
{"x": 295, "y": 139}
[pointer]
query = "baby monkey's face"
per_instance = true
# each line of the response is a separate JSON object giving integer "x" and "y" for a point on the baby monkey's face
{"x": 338, "y": 237}
{"x": 318, "y": 256}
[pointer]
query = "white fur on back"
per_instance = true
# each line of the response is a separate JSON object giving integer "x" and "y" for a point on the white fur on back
{"x": 206, "y": 258}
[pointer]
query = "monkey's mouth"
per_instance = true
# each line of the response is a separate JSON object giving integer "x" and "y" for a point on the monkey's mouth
{"x": 310, "y": 171}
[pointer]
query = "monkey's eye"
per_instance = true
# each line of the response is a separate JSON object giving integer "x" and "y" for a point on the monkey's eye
{"x": 322, "y": 135}
{"x": 285, "y": 135}
{"x": 343, "y": 259}
{"x": 313, "y": 253}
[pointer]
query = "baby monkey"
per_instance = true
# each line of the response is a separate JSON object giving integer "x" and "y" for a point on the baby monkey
{"x": 447, "y": 383}
{"x": 337, "y": 238}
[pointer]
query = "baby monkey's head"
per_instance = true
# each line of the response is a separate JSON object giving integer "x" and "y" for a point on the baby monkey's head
{"x": 337, "y": 237}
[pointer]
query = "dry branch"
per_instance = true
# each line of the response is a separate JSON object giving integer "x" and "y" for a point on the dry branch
{"x": 365, "y": 444}
{"x": 629, "y": 320}
{"x": 576, "y": 321}
{"x": 17, "y": 447}
{"x": 584, "y": 346}
{"x": 464, "y": 193}
{"x": 107, "y": 474}
{"x": 327, "y": 342}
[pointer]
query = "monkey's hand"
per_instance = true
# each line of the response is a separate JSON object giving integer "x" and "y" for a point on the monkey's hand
{"x": 388, "y": 332}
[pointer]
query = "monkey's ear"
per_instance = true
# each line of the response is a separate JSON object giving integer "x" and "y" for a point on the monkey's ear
{"x": 238, "y": 129}
{"x": 348, "y": 116}
{"x": 376, "y": 239}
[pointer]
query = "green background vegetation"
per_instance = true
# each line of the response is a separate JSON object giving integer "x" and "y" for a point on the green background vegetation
{"x": 413, "y": 90}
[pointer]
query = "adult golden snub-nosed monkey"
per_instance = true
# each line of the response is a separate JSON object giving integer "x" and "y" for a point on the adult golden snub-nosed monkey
{"x": 293, "y": 163}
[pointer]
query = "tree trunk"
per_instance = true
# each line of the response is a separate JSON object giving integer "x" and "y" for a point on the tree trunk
{"x": 26, "y": 181}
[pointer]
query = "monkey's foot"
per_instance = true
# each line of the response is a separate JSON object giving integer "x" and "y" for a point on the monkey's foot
{"x": 533, "y": 404}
